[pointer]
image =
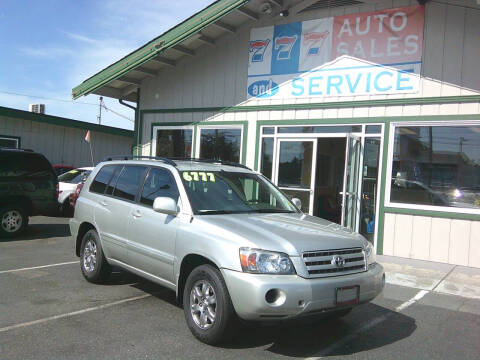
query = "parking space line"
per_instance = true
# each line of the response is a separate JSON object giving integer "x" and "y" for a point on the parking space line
{"x": 38, "y": 267}
{"x": 372, "y": 323}
{"x": 73, "y": 313}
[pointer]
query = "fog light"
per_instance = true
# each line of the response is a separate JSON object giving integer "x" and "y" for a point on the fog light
{"x": 275, "y": 297}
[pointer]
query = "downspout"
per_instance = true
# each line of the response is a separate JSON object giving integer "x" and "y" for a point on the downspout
{"x": 136, "y": 138}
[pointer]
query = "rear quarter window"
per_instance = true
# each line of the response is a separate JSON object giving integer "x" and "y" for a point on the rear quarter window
{"x": 25, "y": 165}
{"x": 102, "y": 179}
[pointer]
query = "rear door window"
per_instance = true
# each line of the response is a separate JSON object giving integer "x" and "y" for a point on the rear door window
{"x": 102, "y": 179}
{"x": 26, "y": 164}
{"x": 159, "y": 182}
{"x": 129, "y": 182}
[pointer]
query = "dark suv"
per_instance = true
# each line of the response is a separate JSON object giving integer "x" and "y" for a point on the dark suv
{"x": 28, "y": 186}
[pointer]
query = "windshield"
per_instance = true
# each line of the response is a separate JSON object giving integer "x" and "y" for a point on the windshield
{"x": 223, "y": 192}
{"x": 74, "y": 176}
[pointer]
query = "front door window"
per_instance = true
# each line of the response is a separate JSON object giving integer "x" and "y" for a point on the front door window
{"x": 296, "y": 172}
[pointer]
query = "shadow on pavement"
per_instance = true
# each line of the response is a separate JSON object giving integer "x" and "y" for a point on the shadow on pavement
{"x": 42, "y": 231}
{"x": 330, "y": 337}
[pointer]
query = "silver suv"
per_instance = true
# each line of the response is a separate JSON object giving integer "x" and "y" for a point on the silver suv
{"x": 226, "y": 239}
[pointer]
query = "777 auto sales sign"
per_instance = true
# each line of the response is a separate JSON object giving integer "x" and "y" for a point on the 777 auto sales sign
{"x": 360, "y": 54}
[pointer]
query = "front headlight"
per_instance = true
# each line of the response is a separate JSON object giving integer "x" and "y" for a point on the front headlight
{"x": 265, "y": 262}
{"x": 370, "y": 253}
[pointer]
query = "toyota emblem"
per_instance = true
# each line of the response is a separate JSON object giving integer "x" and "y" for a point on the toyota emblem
{"x": 338, "y": 261}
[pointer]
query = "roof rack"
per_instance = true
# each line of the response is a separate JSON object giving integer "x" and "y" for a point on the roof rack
{"x": 211, "y": 161}
{"x": 134, "y": 157}
{"x": 171, "y": 160}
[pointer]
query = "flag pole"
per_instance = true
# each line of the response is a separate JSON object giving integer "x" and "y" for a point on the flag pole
{"x": 91, "y": 153}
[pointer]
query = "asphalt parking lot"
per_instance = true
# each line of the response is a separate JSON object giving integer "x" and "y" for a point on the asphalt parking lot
{"x": 51, "y": 312}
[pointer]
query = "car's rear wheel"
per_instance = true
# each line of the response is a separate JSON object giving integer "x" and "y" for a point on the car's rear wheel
{"x": 92, "y": 260}
{"x": 207, "y": 306}
{"x": 13, "y": 221}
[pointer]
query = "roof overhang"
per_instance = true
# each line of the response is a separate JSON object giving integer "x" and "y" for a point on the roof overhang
{"x": 164, "y": 51}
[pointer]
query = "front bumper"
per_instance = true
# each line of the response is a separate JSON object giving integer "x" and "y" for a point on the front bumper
{"x": 303, "y": 297}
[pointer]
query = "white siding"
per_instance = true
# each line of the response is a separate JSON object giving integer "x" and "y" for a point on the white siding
{"x": 450, "y": 241}
{"x": 65, "y": 145}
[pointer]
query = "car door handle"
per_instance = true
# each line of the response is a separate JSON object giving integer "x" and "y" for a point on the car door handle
{"x": 103, "y": 203}
{"x": 136, "y": 214}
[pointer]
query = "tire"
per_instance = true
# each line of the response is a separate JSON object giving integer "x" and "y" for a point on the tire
{"x": 93, "y": 264}
{"x": 13, "y": 221}
{"x": 225, "y": 320}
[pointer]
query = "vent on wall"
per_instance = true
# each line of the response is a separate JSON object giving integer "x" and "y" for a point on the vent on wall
{"x": 323, "y": 4}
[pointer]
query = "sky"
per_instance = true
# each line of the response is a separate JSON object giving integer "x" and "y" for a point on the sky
{"x": 48, "y": 47}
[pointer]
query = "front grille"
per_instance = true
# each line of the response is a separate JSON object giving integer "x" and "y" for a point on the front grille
{"x": 321, "y": 264}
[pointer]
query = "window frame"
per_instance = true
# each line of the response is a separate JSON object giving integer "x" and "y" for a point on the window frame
{"x": 218, "y": 127}
{"x": 172, "y": 127}
{"x": 140, "y": 191}
{"x": 388, "y": 182}
{"x": 17, "y": 139}
{"x": 140, "y": 184}
{"x": 109, "y": 180}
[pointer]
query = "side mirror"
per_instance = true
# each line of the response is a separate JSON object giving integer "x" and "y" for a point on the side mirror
{"x": 297, "y": 202}
{"x": 165, "y": 205}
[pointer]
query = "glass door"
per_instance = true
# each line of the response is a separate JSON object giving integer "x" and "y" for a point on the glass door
{"x": 351, "y": 183}
{"x": 295, "y": 170}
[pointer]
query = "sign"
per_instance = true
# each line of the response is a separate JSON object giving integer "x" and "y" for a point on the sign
{"x": 360, "y": 54}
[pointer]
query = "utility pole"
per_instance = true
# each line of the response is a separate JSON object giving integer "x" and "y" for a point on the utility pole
{"x": 100, "y": 103}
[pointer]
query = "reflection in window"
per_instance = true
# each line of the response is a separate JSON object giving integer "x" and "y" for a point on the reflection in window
{"x": 437, "y": 165}
{"x": 220, "y": 144}
{"x": 175, "y": 143}
{"x": 159, "y": 183}
{"x": 267, "y": 157}
{"x": 295, "y": 167}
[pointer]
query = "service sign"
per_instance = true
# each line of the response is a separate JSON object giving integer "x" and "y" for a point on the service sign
{"x": 361, "y": 54}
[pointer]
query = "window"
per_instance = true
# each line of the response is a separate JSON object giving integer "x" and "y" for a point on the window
{"x": 175, "y": 143}
{"x": 159, "y": 182}
{"x": 9, "y": 142}
{"x": 74, "y": 176}
{"x": 436, "y": 165}
{"x": 101, "y": 180}
{"x": 221, "y": 144}
{"x": 267, "y": 157}
{"x": 128, "y": 182}
{"x": 25, "y": 164}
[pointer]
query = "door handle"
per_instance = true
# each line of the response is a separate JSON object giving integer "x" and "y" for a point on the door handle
{"x": 103, "y": 203}
{"x": 136, "y": 214}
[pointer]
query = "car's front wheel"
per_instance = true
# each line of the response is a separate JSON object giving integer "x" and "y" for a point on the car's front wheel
{"x": 207, "y": 306}
{"x": 13, "y": 221}
{"x": 92, "y": 260}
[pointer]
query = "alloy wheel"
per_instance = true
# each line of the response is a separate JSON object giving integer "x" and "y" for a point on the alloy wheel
{"x": 203, "y": 304}
{"x": 12, "y": 221}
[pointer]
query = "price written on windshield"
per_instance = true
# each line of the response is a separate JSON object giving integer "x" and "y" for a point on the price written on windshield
{"x": 198, "y": 176}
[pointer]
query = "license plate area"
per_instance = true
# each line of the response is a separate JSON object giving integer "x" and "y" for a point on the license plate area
{"x": 348, "y": 295}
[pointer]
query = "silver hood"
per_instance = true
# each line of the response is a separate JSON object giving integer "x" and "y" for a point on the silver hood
{"x": 288, "y": 233}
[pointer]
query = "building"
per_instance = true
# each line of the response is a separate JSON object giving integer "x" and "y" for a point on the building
{"x": 62, "y": 140}
{"x": 367, "y": 111}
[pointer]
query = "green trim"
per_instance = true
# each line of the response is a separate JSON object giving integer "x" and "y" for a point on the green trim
{"x": 13, "y": 137}
{"x": 434, "y": 214}
{"x": 195, "y": 125}
{"x": 56, "y": 120}
{"x": 172, "y": 37}
{"x": 327, "y": 105}
{"x": 382, "y": 178}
